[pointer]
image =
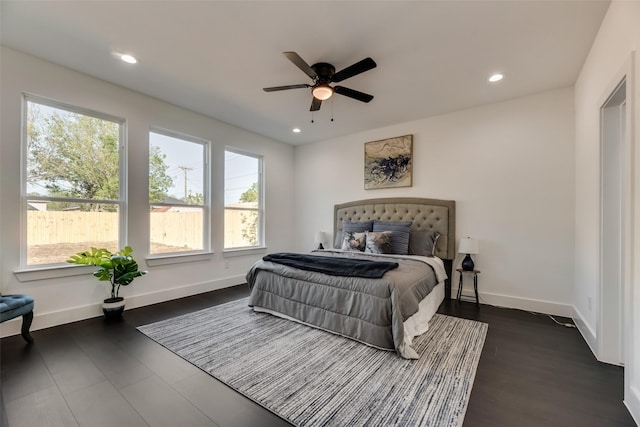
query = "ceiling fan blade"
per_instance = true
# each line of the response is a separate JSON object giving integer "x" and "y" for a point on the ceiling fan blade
{"x": 355, "y": 69}
{"x": 300, "y": 63}
{"x": 273, "y": 89}
{"x": 360, "y": 96}
{"x": 315, "y": 104}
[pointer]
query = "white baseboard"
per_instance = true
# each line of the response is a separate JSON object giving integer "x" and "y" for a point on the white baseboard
{"x": 181, "y": 292}
{"x": 47, "y": 320}
{"x": 586, "y": 331}
{"x": 632, "y": 402}
{"x": 55, "y": 318}
{"x": 537, "y": 306}
{"x": 590, "y": 337}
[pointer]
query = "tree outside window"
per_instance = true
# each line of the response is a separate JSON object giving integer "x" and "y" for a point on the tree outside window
{"x": 73, "y": 196}
{"x": 249, "y": 220}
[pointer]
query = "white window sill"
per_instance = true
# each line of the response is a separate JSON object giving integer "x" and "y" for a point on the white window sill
{"x": 230, "y": 253}
{"x": 53, "y": 272}
{"x": 156, "y": 260}
{"x": 57, "y": 271}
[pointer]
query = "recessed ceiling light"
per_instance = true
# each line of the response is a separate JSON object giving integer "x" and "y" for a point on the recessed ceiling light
{"x": 496, "y": 78}
{"x": 129, "y": 59}
{"x": 296, "y": 130}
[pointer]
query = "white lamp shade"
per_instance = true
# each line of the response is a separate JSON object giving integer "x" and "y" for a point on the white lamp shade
{"x": 320, "y": 237}
{"x": 468, "y": 246}
{"x": 322, "y": 92}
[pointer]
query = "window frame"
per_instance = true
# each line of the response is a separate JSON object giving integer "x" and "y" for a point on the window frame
{"x": 194, "y": 255}
{"x": 120, "y": 203}
{"x": 261, "y": 244}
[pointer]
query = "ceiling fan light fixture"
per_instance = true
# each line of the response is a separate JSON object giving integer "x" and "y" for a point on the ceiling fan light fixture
{"x": 323, "y": 75}
{"x": 322, "y": 92}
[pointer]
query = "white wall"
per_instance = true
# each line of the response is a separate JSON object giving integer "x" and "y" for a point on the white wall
{"x": 612, "y": 51}
{"x": 508, "y": 166}
{"x": 66, "y": 299}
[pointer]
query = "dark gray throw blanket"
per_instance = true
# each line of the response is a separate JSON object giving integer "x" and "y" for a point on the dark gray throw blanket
{"x": 333, "y": 266}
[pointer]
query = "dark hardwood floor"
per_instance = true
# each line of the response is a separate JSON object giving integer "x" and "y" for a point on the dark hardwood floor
{"x": 90, "y": 373}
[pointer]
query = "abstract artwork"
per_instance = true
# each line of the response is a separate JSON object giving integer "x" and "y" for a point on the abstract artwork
{"x": 388, "y": 163}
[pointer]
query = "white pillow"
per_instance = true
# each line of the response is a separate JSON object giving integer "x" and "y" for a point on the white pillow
{"x": 378, "y": 242}
{"x": 354, "y": 241}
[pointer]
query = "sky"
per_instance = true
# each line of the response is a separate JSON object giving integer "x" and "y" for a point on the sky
{"x": 185, "y": 160}
{"x": 241, "y": 171}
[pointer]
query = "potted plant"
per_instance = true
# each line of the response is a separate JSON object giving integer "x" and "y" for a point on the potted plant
{"x": 119, "y": 269}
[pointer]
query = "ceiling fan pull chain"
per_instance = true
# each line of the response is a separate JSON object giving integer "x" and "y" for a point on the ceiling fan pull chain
{"x": 312, "y": 117}
{"x": 332, "y": 109}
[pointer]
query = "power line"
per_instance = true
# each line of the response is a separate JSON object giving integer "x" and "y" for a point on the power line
{"x": 185, "y": 169}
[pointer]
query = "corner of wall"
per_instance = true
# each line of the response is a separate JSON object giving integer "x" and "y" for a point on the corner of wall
{"x": 633, "y": 404}
{"x": 586, "y": 331}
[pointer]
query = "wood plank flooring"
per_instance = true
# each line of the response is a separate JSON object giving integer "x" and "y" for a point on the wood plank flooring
{"x": 90, "y": 373}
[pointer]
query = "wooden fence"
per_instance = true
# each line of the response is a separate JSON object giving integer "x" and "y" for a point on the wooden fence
{"x": 171, "y": 229}
{"x": 177, "y": 229}
{"x": 50, "y": 227}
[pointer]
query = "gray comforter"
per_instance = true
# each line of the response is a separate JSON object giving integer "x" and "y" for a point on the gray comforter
{"x": 367, "y": 310}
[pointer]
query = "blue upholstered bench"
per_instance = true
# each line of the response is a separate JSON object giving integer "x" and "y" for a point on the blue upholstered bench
{"x": 18, "y": 305}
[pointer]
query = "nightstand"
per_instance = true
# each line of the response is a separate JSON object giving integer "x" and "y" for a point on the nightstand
{"x": 475, "y": 282}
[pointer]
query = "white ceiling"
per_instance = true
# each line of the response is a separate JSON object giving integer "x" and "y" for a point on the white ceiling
{"x": 215, "y": 57}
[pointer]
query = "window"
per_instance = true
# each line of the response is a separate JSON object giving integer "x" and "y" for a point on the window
{"x": 178, "y": 193}
{"x": 243, "y": 200}
{"x": 73, "y": 195}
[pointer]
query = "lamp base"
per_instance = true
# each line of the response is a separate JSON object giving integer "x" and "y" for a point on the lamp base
{"x": 320, "y": 246}
{"x": 467, "y": 263}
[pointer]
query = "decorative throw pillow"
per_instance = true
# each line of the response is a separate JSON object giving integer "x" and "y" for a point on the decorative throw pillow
{"x": 400, "y": 236}
{"x": 378, "y": 243}
{"x": 351, "y": 226}
{"x": 354, "y": 241}
{"x": 423, "y": 242}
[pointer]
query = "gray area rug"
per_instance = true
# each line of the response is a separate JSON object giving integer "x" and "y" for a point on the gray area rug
{"x": 313, "y": 378}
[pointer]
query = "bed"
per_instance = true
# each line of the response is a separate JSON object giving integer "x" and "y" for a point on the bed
{"x": 385, "y": 312}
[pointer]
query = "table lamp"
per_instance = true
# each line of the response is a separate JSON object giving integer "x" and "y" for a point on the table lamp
{"x": 319, "y": 239}
{"x": 468, "y": 246}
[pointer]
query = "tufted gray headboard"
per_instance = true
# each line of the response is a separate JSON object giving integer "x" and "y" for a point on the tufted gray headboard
{"x": 425, "y": 214}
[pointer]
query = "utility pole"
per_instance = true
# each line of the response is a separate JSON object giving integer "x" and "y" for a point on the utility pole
{"x": 185, "y": 169}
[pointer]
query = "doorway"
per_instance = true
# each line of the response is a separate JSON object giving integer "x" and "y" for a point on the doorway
{"x": 613, "y": 195}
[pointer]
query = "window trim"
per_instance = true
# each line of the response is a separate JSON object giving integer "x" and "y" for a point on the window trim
{"x": 169, "y": 258}
{"x": 206, "y": 251}
{"x": 121, "y": 203}
{"x": 261, "y": 244}
{"x": 53, "y": 271}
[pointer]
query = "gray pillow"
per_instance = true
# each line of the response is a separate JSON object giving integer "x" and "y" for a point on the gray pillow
{"x": 378, "y": 243}
{"x": 351, "y": 226}
{"x": 354, "y": 241}
{"x": 400, "y": 236}
{"x": 423, "y": 242}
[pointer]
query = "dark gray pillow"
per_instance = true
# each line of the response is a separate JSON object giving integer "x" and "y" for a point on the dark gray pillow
{"x": 423, "y": 242}
{"x": 400, "y": 236}
{"x": 351, "y": 226}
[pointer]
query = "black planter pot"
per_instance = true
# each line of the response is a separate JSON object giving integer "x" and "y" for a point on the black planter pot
{"x": 113, "y": 308}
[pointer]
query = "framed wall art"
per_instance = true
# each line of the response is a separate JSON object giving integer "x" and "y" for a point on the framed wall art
{"x": 388, "y": 163}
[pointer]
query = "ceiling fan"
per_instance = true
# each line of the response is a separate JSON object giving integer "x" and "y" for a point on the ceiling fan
{"x": 322, "y": 75}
